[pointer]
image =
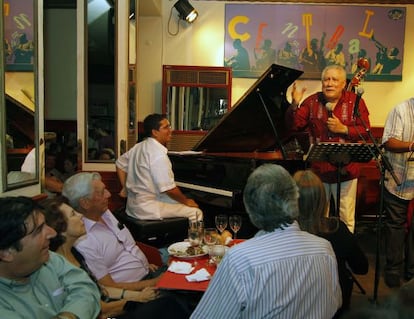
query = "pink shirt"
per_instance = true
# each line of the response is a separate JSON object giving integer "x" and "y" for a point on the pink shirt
{"x": 109, "y": 248}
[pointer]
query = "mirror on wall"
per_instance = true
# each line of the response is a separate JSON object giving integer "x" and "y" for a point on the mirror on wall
{"x": 100, "y": 85}
{"x": 19, "y": 102}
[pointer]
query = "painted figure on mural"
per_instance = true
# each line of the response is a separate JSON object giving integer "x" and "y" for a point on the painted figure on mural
{"x": 265, "y": 55}
{"x": 312, "y": 57}
{"x": 386, "y": 59}
{"x": 287, "y": 57}
{"x": 23, "y": 50}
{"x": 7, "y": 50}
{"x": 362, "y": 54}
{"x": 240, "y": 60}
{"x": 336, "y": 56}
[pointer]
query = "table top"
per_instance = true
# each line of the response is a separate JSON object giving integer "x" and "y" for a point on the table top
{"x": 171, "y": 280}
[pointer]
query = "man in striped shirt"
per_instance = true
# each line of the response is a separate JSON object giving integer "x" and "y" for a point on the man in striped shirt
{"x": 282, "y": 272}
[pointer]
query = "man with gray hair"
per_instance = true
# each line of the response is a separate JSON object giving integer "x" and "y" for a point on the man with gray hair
{"x": 282, "y": 272}
{"x": 333, "y": 115}
{"x": 109, "y": 248}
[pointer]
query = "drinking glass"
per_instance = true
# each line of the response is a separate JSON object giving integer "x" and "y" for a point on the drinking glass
{"x": 195, "y": 233}
{"x": 221, "y": 222}
{"x": 210, "y": 239}
{"x": 235, "y": 222}
{"x": 217, "y": 253}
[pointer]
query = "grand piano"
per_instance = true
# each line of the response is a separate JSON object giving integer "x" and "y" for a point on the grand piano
{"x": 252, "y": 133}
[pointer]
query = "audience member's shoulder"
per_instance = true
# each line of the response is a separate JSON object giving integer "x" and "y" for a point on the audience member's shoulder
{"x": 56, "y": 260}
{"x": 321, "y": 241}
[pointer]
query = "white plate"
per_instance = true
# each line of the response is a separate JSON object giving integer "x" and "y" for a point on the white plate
{"x": 179, "y": 250}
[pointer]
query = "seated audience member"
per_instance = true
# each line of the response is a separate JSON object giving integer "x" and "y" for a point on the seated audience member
{"x": 145, "y": 172}
{"x": 34, "y": 282}
{"x": 53, "y": 178}
{"x": 70, "y": 165}
{"x": 107, "y": 154}
{"x": 282, "y": 272}
{"x": 29, "y": 163}
{"x": 114, "y": 301}
{"x": 92, "y": 153}
{"x": 312, "y": 211}
{"x": 109, "y": 248}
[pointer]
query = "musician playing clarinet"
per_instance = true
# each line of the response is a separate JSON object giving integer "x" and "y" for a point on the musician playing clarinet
{"x": 332, "y": 115}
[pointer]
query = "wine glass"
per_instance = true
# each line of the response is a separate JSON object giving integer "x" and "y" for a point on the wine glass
{"x": 221, "y": 222}
{"x": 210, "y": 239}
{"x": 235, "y": 222}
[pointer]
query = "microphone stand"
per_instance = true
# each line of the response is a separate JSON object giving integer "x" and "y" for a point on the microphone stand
{"x": 384, "y": 165}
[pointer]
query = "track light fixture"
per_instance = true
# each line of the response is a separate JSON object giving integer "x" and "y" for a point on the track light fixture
{"x": 186, "y": 11}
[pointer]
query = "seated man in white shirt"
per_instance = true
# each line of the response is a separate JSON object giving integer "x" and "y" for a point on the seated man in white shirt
{"x": 282, "y": 272}
{"x": 145, "y": 172}
{"x": 108, "y": 248}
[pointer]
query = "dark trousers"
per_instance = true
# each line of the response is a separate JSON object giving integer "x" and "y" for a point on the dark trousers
{"x": 163, "y": 307}
{"x": 399, "y": 243}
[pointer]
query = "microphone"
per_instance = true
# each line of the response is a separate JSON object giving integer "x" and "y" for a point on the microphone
{"x": 359, "y": 93}
{"x": 330, "y": 106}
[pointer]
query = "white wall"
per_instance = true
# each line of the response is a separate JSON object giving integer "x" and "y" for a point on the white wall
{"x": 202, "y": 43}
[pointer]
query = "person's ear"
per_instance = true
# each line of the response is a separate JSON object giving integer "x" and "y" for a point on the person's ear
{"x": 154, "y": 132}
{"x": 84, "y": 203}
{"x": 7, "y": 255}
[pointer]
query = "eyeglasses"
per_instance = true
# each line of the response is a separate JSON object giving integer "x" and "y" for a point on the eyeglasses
{"x": 166, "y": 127}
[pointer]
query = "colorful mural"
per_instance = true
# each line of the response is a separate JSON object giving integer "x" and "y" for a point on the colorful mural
{"x": 309, "y": 37}
{"x": 19, "y": 35}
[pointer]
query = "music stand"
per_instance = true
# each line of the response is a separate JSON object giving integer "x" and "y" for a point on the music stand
{"x": 339, "y": 155}
{"x": 331, "y": 152}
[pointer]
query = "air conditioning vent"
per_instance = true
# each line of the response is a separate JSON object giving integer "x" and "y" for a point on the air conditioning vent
{"x": 182, "y": 77}
{"x": 217, "y": 77}
{"x": 197, "y": 77}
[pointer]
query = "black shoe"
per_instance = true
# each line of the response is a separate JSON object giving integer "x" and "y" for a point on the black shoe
{"x": 392, "y": 281}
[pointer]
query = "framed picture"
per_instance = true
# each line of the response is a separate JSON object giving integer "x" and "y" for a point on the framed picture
{"x": 309, "y": 37}
{"x": 19, "y": 48}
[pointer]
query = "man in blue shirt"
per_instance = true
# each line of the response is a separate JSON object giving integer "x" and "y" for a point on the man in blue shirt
{"x": 282, "y": 272}
{"x": 34, "y": 282}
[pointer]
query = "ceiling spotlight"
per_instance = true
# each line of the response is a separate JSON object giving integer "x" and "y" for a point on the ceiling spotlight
{"x": 186, "y": 11}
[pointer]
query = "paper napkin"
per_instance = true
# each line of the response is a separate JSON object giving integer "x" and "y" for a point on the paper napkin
{"x": 181, "y": 267}
{"x": 200, "y": 275}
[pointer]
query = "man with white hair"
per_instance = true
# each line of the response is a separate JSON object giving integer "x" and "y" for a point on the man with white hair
{"x": 109, "y": 248}
{"x": 282, "y": 272}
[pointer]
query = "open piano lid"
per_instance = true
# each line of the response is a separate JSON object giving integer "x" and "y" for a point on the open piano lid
{"x": 256, "y": 122}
